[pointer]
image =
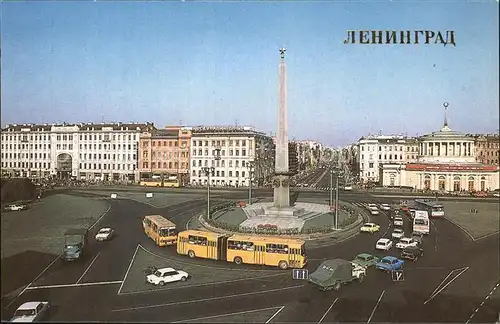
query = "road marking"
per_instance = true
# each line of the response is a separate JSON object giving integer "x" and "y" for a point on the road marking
{"x": 36, "y": 278}
{"x": 199, "y": 265}
{"x": 487, "y": 297}
{"x": 205, "y": 299}
{"x": 274, "y": 315}
{"x": 376, "y": 305}
{"x": 229, "y": 314}
{"x": 436, "y": 291}
{"x": 328, "y": 310}
{"x": 77, "y": 285}
{"x": 461, "y": 227}
{"x": 128, "y": 269}
{"x": 203, "y": 285}
{"x": 86, "y": 270}
{"x": 97, "y": 221}
{"x": 487, "y": 235}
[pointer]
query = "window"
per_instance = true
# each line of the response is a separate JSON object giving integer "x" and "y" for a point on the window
{"x": 370, "y": 165}
{"x": 277, "y": 248}
{"x": 240, "y": 245}
{"x": 197, "y": 240}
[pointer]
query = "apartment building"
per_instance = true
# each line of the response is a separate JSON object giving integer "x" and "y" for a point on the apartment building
{"x": 487, "y": 148}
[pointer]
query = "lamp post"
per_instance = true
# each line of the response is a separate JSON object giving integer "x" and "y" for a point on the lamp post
{"x": 250, "y": 173}
{"x": 337, "y": 201}
{"x": 208, "y": 171}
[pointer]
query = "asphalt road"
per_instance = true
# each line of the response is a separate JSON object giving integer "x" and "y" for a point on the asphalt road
{"x": 449, "y": 284}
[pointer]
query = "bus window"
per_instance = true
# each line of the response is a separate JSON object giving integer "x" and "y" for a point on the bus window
{"x": 172, "y": 232}
{"x": 277, "y": 248}
{"x": 197, "y": 240}
{"x": 240, "y": 245}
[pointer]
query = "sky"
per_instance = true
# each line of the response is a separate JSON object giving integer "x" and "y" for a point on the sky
{"x": 216, "y": 63}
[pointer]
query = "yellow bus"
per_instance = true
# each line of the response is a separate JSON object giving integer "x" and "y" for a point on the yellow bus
{"x": 171, "y": 183}
{"x": 250, "y": 249}
{"x": 151, "y": 183}
{"x": 160, "y": 230}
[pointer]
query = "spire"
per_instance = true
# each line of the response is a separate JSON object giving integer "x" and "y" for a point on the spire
{"x": 445, "y": 114}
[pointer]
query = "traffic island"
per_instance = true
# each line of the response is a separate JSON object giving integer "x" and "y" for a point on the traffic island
{"x": 230, "y": 219}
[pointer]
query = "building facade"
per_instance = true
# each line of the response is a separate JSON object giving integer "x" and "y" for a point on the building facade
{"x": 83, "y": 151}
{"x": 487, "y": 148}
{"x": 447, "y": 162}
{"x": 165, "y": 153}
{"x": 375, "y": 151}
{"x": 234, "y": 153}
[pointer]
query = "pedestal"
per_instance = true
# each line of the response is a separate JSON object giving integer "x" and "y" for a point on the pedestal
{"x": 281, "y": 185}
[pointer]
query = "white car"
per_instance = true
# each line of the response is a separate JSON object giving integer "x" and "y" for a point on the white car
{"x": 31, "y": 312}
{"x": 405, "y": 242}
{"x": 348, "y": 188}
{"x": 496, "y": 194}
{"x": 398, "y": 221}
{"x": 385, "y": 207}
{"x": 166, "y": 275}
{"x": 383, "y": 244}
{"x": 370, "y": 206}
{"x": 374, "y": 211}
{"x": 15, "y": 207}
{"x": 104, "y": 234}
{"x": 398, "y": 233}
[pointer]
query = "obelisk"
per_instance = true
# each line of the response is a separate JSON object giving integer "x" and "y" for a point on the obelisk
{"x": 281, "y": 179}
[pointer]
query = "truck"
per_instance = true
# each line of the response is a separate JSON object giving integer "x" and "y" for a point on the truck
{"x": 75, "y": 243}
{"x": 332, "y": 274}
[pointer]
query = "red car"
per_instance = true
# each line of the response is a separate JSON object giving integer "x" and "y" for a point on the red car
{"x": 481, "y": 194}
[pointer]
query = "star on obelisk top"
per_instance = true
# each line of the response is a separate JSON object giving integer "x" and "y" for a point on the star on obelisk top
{"x": 282, "y": 52}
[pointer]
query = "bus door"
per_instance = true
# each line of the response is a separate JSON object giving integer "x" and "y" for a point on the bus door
{"x": 222, "y": 248}
{"x": 212, "y": 250}
{"x": 181, "y": 244}
{"x": 259, "y": 254}
{"x": 293, "y": 257}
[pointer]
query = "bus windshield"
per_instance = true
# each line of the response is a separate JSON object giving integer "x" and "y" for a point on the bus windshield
{"x": 167, "y": 232}
{"x": 437, "y": 209}
{"x": 421, "y": 221}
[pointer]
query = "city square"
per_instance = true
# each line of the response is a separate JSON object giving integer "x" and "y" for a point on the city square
{"x": 185, "y": 188}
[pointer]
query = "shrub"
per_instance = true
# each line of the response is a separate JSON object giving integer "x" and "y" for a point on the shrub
{"x": 17, "y": 189}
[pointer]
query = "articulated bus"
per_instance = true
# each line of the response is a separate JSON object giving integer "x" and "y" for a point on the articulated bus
{"x": 434, "y": 209}
{"x": 160, "y": 230}
{"x": 249, "y": 249}
{"x": 169, "y": 183}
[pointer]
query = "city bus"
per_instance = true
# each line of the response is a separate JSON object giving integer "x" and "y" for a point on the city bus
{"x": 250, "y": 249}
{"x": 162, "y": 231}
{"x": 171, "y": 183}
{"x": 434, "y": 208}
{"x": 151, "y": 183}
{"x": 421, "y": 223}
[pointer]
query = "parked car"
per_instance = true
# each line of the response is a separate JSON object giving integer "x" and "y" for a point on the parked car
{"x": 398, "y": 221}
{"x": 166, "y": 275}
{"x": 348, "y": 188}
{"x": 104, "y": 234}
{"x": 31, "y": 312}
{"x": 405, "y": 242}
{"x": 331, "y": 274}
{"x": 383, "y": 244}
{"x": 15, "y": 207}
{"x": 365, "y": 260}
{"x": 412, "y": 252}
{"x": 390, "y": 263}
{"x": 398, "y": 233}
{"x": 370, "y": 228}
{"x": 385, "y": 207}
{"x": 417, "y": 237}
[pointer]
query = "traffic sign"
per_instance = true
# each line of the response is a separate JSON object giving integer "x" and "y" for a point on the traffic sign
{"x": 398, "y": 275}
{"x": 300, "y": 274}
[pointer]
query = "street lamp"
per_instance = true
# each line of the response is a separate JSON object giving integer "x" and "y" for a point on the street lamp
{"x": 208, "y": 171}
{"x": 336, "y": 206}
{"x": 250, "y": 166}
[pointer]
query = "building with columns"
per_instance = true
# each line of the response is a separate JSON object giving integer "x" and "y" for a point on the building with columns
{"x": 446, "y": 162}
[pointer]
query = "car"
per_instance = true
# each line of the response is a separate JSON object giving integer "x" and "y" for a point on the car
{"x": 383, "y": 244}
{"x": 398, "y": 233}
{"x": 365, "y": 260}
{"x": 372, "y": 206}
{"x": 31, "y": 311}
{"x": 412, "y": 252}
{"x": 348, "y": 188}
{"x": 15, "y": 207}
{"x": 374, "y": 211}
{"x": 104, "y": 234}
{"x": 385, "y": 207}
{"x": 390, "y": 263}
{"x": 370, "y": 228}
{"x": 398, "y": 221}
{"x": 496, "y": 194}
{"x": 417, "y": 237}
{"x": 331, "y": 274}
{"x": 166, "y": 275}
{"x": 404, "y": 242}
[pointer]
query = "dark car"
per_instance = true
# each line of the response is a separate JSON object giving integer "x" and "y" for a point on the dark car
{"x": 412, "y": 253}
{"x": 417, "y": 237}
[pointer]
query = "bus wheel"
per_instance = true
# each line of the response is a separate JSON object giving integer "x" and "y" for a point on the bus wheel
{"x": 283, "y": 265}
{"x": 238, "y": 260}
{"x": 191, "y": 254}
